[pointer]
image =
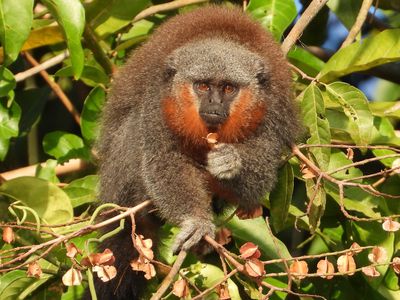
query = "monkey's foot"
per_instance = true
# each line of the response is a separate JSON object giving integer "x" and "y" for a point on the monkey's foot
{"x": 224, "y": 161}
{"x": 192, "y": 231}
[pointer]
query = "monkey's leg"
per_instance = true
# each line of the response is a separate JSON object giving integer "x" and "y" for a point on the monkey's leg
{"x": 179, "y": 191}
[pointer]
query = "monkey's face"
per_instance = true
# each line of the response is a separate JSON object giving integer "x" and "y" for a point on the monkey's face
{"x": 215, "y": 99}
{"x": 211, "y": 76}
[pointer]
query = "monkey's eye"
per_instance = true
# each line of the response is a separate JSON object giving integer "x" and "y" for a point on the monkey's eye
{"x": 202, "y": 87}
{"x": 228, "y": 89}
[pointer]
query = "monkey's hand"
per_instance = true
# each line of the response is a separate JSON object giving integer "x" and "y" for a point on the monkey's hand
{"x": 224, "y": 161}
{"x": 192, "y": 231}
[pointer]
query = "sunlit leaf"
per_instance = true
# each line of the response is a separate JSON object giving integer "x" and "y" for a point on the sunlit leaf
{"x": 366, "y": 54}
{"x": 355, "y": 106}
{"x": 49, "y": 201}
{"x": 313, "y": 112}
{"x": 64, "y": 146}
{"x": 275, "y": 15}
{"x": 15, "y": 25}
{"x": 280, "y": 197}
{"x": 71, "y": 17}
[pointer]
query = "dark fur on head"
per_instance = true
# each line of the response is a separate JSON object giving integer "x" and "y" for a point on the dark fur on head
{"x": 152, "y": 142}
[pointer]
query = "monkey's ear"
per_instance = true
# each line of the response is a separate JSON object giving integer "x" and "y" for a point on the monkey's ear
{"x": 262, "y": 74}
{"x": 170, "y": 70}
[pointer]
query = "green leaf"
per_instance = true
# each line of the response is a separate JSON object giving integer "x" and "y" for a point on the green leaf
{"x": 355, "y": 106}
{"x": 317, "y": 195}
{"x": 372, "y": 233}
{"x": 82, "y": 190}
{"x": 9, "y": 118}
{"x": 243, "y": 231}
{"x": 91, "y": 113}
{"x": 385, "y": 109}
{"x": 32, "y": 102}
{"x": 7, "y": 81}
{"x": 275, "y": 15}
{"x": 338, "y": 160}
{"x": 313, "y": 112}
{"x": 49, "y": 201}
{"x": 64, "y": 146}
{"x": 207, "y": 275}
{"x": 305, "y": 61}
{"x": 346, "y": 11}
{"x": 74, "y": 292}
{"x": 355, "y": 199}
{"x": 15, "y": 284}
{"x": 108, "y": 20}
{"x": 48, "y": 171}
{"x": 91, "y": 76}
{"x": 15, "y": 25}
{"x": 366, "y": 54}
{"x": 71, "y": 17}
{"x": 280, "y": 198}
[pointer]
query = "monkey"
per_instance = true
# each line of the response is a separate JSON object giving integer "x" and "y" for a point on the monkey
{"x": 210, "y": 70}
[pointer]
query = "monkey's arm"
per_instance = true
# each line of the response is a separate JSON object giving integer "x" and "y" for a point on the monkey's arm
{"x": 249, "y": 168}
{"x": 178, "y": 190}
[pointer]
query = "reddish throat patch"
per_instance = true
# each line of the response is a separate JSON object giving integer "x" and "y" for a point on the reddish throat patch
{"x": 183, "y": 119}
{"x": 244, "y": 119}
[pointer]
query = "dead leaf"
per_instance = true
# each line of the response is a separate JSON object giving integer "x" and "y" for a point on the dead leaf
{"x": 34, "y": 270}
{"x": 181, "y": 288}
{"x": 355, "y": 248}
{"x": 307, "y": 173}
{"x": 223, "y": 236}
{"x": 350, "y": 153}
{"x": 300, "y": 268}
{"x": 324, "y": 268}
{"x": 378, "y": 255}
{"x": 223, "y": 292}
{"x": 8, "y": 235}
{"x": 143, "y": 265}
{"x": 72, "y": 277}
{"x": 105, "y": 273}
{"x": 212, "y": 138}
{"x": 144, "y": 246}
{"x": 346, "y": 263}
{"x": 97, "y": 259}
{"x": 72, "y": 250}
{"x": 249, "y": 250}
{"x": 254, "y": 267}
{"x": 370, "y": 271}
{"x": 396, "y": 264}
{"x": 390, "y": 225}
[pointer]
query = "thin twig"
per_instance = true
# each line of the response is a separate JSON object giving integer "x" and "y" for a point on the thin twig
{"x": 164, "y": 7}
{"x": 309, "y": 14}
{"x": 170, "y": 277}
{"x": 361, "y": 17}
{"x": 98, "y": 52}
{"x": 43, "y": 66}
{"x": 73, "y": 165}
{"x": 62, "y": 238}
{"x": 212, "y": 288}
{"x": 56, "y": 89}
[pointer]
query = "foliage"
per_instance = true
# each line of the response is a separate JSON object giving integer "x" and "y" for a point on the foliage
{"x": 341, "y": 185}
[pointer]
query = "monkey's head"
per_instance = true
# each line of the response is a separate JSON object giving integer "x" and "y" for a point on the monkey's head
{"x": 214, "y": 86}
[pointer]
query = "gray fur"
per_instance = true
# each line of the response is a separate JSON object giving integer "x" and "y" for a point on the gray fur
{"x": 224, "y": 161}
{"x": 142, "y": 159}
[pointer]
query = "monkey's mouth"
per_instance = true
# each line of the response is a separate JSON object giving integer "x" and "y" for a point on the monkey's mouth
{"x": 213, "y": 118}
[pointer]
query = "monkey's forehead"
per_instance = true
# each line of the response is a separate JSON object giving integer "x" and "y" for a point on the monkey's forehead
{"x": 216, "y": 58}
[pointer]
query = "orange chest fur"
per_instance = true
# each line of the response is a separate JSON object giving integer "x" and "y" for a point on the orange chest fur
{"x": 182, "y": 117}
